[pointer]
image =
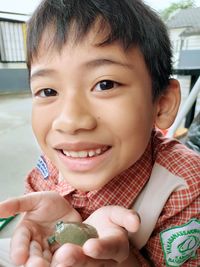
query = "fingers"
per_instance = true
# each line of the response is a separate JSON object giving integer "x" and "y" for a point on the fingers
{"x": 38, "y": 204}
{"x": 38, "y": 257}
{"x": 113, "y": 247}
{"x": 128, "y": 219}
{"x": 20, "y": 246}
{"x": 115, "y": 215}
{"x": 71, "y": 255}
{"x": 27, "y": 252}
{"x": 20, "y": 204}
{"x": 36, "y": 251}
{"x": 113, "y": 224}
{"x": 25, "y": 233}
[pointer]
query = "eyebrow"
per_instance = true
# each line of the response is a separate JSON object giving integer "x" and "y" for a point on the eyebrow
{"x": 41, "y": 73}
{"x": 90, "y": 64}
{"x": 104, "y": 61}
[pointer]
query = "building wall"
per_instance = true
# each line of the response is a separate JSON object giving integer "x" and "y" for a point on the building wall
{"x": 180, "y": 43}
{"x": 191, "y": 43}
{"x": 13, "y": 72}
{"x": 12, "y": 41}
{"x": 14, "y": 80}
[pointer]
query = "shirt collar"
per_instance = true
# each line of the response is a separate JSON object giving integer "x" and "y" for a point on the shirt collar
{"x": 122, "y": 190}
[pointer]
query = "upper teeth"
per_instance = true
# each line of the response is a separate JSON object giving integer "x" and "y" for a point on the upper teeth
{"x": 84, "y": 153}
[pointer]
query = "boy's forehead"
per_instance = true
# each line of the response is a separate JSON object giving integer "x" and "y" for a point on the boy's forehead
{"x": 85, "y": 53}
{"x": 88, "y": 50}
{"x": 83, "y": 60}
{"x": 49, "y": 41}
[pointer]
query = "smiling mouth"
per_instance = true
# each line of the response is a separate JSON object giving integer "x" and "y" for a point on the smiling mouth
{"x": 85, "y": 153}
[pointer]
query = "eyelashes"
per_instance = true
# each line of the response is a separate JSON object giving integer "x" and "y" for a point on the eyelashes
{"x": 46, "y": 92}
{"x": 103, "y": 85}
{"x": 106, "y": 85}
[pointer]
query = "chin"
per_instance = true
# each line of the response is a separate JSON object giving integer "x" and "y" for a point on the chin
{"x": 89, "y": 187}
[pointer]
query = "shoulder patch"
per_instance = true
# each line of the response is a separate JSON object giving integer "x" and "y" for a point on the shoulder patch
{"x": 42, "y": 167}
{"x": 180, "y": 243}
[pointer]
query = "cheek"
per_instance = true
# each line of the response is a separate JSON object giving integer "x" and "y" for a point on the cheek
{"x": 133, "y": 140}
{"x": 39, "y": 123}
{"x": 134, "y": 135}
{"x": 131, "y": 119}
{"x": 131, "y": 127}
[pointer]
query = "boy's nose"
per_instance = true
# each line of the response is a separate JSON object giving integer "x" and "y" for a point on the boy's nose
{"x": 74, "y": 115}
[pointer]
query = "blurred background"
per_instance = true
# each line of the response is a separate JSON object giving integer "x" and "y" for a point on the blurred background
{"x": 18, "y": 148}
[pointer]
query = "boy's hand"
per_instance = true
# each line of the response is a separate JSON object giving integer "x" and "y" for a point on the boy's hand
{"x": 112, "y": 246}
{"x": 42, "y": 211}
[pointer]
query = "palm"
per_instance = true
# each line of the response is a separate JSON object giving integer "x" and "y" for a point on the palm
{"x": 48, "y": 208}
{"x": 41, "y": 211}
{"x": 111, "y": 248}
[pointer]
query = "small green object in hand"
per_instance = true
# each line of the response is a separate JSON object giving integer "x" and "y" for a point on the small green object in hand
{"x": 5, "y": 221}
{"x": 72, "y": 232}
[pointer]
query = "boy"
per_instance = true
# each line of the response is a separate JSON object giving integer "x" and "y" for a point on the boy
{"x": 100, "y": 79}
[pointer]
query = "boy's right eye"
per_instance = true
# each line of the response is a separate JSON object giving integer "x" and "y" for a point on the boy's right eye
{"x": 47, "y": 92}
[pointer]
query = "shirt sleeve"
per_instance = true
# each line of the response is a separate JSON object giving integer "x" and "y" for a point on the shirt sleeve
{"x": 182, "y": 207}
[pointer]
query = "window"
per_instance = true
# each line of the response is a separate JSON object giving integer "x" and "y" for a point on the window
{"x": 12, "y": 41}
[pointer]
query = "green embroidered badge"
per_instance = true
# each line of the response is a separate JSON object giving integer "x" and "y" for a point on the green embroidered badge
{"x": 180, "y": 243}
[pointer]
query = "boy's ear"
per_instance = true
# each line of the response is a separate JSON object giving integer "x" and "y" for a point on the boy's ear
{"x": 168, "y": 105}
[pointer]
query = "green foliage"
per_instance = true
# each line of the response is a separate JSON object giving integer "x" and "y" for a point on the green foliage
{"x": 183, "y": 4}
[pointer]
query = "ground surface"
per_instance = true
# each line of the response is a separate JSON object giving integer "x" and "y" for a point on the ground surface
{"x": 18, "y": 149}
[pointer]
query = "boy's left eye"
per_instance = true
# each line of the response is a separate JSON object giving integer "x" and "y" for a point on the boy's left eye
{"x": 46, "y": 92}
{"x": 106, "y": 85}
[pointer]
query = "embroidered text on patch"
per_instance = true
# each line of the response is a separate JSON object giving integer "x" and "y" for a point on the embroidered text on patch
{"x": 180, "y": 243}
{"x": 42, "y": 167}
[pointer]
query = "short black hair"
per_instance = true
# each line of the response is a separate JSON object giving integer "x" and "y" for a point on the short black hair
{"x": 130, "y": 22}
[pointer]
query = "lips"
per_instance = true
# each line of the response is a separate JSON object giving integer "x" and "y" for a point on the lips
{"x": 83, "y": 157}
{"x": 81, "y": 149}
{"x": 85, "y": 153}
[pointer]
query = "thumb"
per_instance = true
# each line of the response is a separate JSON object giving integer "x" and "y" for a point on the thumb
{"x": 117, "y": 215}
{"x": 126, "y": 218}
{"x": 24, "y": 203}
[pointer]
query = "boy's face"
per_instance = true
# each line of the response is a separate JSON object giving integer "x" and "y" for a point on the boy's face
{"x": 92, "y": 109}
